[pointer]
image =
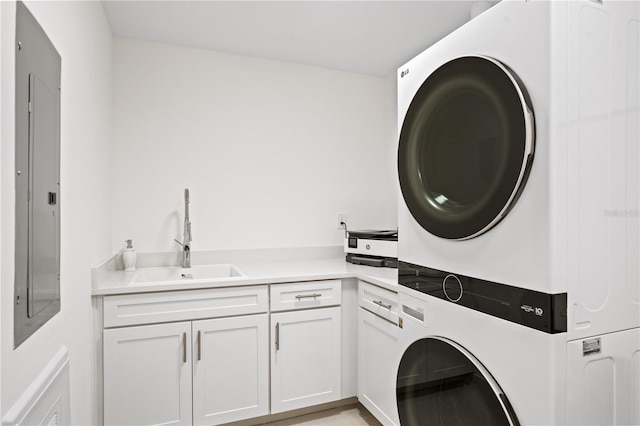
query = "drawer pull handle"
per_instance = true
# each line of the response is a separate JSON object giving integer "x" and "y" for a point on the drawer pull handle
{"x": 277, "y": 336}
{"x": 199, "y": 346}
{"x": 307, "y": 296}
{"x": 379, "y": 303}
{"x": 184, "y": 348}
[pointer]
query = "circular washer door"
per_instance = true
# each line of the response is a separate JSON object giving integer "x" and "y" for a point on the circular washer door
{"x": 466, "y": 147}
{"x": 441, "y": 383}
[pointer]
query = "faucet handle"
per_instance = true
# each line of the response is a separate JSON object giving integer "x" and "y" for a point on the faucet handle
{"x": 178, "y": 242}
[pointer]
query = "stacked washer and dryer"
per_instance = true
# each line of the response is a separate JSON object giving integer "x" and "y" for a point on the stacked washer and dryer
{"x": 519, "y": 242}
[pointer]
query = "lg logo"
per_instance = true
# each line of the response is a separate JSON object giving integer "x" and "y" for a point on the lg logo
{"x": 404, "y": 72}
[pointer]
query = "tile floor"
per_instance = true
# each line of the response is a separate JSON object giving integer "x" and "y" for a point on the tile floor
{"x": 350, "y": 415}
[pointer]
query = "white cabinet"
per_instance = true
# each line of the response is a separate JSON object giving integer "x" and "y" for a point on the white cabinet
{"x": 305, "y": 352}
{"x": 166, "y": 306}
{"x": 376, "y": 372}
{"x": 377, "y": 352}
{"x": 200, "y": 372}
{"x": 147, "y": 375}
{"x": 380, "y": 301}
{"x": 305, "y": 295}
{"x": 208, "y": 356}
{"x": 230, "y": 369}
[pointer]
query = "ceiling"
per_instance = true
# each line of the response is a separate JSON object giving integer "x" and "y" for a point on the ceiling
{"x": 367, "y": 37}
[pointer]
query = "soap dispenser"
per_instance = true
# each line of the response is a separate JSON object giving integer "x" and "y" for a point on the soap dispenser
{"x": 129, "y": 257}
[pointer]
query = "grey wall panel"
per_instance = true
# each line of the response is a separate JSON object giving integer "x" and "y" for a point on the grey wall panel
{"x": 43, "y": 220}
{"x": 37, "y": 274}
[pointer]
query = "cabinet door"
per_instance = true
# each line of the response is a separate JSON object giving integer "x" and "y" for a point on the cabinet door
{"x": 230, "y": 369}
{"x": 305, "y": 358}
{"x": 147, "y": 375}
{"x": 377, "y": 364}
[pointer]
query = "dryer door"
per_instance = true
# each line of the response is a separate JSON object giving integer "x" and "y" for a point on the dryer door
{"x": 441, "y": 383}
{"x": 465, "y": 149}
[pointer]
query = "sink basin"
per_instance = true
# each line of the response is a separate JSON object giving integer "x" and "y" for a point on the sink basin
{"x": 165, "y": 275}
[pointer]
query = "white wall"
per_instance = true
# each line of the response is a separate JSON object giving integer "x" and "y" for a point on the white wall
{"x": 80, "y": 33}
{"x": 2, "y": 138}
{"x": 271, "y": 151}
{"x": 391, "y": 147}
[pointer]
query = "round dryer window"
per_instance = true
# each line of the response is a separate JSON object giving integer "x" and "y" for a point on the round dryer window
{"x": 466, "y": 146}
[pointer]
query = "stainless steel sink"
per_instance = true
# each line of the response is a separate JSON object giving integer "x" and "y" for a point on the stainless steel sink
{"x": 221, "y": 272}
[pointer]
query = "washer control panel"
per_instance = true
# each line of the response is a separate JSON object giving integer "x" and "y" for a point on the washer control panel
{"x": 452, "y": 288}
{"x": 534, "y": 309}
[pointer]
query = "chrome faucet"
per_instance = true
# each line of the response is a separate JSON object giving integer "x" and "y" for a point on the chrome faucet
{"x": 186, "y": 236}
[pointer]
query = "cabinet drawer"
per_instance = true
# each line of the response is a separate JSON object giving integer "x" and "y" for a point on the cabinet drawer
{"x": 311, "y": 294}
{"x": 378, "y": 300}
{"x": 144, "y": 308}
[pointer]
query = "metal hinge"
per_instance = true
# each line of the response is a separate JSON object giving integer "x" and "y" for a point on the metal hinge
{"x": 29, "y": 106}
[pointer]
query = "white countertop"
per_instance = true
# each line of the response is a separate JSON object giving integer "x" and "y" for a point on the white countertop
{"x": 111, "y": 281}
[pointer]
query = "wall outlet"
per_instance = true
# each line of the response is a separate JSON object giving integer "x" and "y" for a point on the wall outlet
{"x": 342, "y": 220}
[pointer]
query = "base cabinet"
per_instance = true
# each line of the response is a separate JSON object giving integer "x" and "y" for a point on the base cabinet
{"x": 378, "y": 356}
{"x": 230, "y": 369}
{"x": 207, "y": 357}
{"x": 305, "y": 358}
{"x": 147, "y": 375}
{"x": 187, "y": 370}
{"x": 152, "y": 372}
{"x": 376, "y": 375}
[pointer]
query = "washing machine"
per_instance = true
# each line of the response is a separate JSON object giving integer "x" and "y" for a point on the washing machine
{"x": 472, "y": 351}
{"x": 518, "y": 155}
{"x": 518, "y": 224}
{"x": 468, "y": 355}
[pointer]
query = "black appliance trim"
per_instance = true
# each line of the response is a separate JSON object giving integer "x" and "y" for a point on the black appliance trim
{"x": 369, "y": 260}
{"x": 391, "y": 235}
{"x": 540, "y": 311}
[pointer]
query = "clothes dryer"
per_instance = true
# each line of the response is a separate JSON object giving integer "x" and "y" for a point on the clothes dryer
{"x": 518, "y": 155}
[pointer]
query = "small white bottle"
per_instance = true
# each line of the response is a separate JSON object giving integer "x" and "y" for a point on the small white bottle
{"x": 129, "y": 257}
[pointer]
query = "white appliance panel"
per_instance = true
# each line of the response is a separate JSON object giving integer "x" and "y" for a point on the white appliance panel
{"x": 604, "y": 379}
{"x": 535, "y": 392}
{"x": 603, "y": 117}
